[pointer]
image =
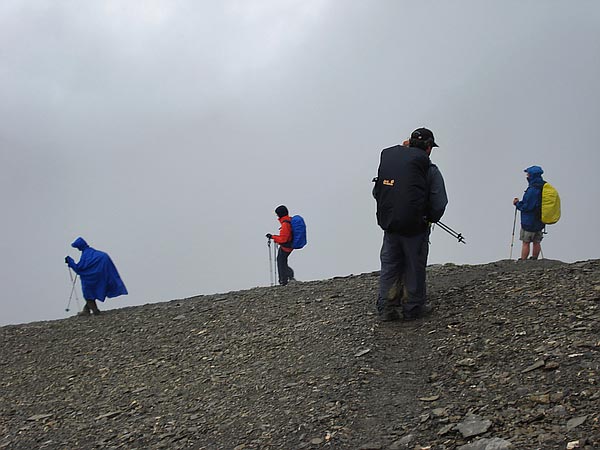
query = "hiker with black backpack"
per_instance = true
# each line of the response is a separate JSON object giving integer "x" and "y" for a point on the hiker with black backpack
{"x": 530, "y": 206}
{"x": 410, "y": 194}
{"x": 287, "y": 242}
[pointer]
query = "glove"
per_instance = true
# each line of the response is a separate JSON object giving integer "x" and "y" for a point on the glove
{"x": 67, "y": 259}
{"x": 269, "y": 236}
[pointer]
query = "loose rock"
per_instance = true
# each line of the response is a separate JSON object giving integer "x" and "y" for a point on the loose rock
{"x": 310, "y": 366}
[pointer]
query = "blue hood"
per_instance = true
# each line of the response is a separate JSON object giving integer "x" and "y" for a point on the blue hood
{"x": 534, "y": 170}
{"x": 80, "y": 244}
{"x": 535, "y": 175}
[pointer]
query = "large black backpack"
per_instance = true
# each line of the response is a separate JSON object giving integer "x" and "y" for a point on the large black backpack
{"x": 401, "y": 190}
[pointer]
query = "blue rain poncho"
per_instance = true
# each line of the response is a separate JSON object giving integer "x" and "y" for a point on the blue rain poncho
{"x": 99, "y": 276}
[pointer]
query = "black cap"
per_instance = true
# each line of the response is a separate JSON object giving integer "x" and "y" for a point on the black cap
{"x": 281, "y": 211}
{"x": 425, "y": 135}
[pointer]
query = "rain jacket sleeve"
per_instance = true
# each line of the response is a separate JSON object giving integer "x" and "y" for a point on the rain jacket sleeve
{"x": 438, "y": 199}
{"x": 529, "y": 202}
{"x": 84, "y": 262}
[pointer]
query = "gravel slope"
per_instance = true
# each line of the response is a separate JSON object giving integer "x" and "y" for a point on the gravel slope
{"x": 509, "y": 359}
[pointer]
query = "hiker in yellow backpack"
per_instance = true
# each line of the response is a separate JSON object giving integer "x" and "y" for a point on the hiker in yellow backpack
{"x": 531, "y": 224}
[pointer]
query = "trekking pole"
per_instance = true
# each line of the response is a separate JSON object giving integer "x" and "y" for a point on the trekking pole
{"x": 512, "y": 241}
{"x": 275, "y": 263}
{"x": 451, "y": 232}
{"x": 270, "y": 261}
{"x": 542, "y": 251}
{"x": 73, "y": 281}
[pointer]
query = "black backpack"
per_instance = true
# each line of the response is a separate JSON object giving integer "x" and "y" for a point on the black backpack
{"x": 401, "y": 190}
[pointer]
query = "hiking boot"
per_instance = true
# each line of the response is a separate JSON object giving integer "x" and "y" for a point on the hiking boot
{"x": 93, "y": 307}
{"x": 389, "y": 314}
{"x": 85, "y": 311}
{"x": 418, "y": 313}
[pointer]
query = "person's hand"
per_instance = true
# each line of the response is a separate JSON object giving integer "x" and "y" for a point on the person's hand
{"x": 67, "y": 259}
{"x": 269, "y": 235}
{"x": 515, "y": 201}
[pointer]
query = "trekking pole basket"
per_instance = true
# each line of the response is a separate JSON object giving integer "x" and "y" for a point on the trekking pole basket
{"x": 451, "y": 232}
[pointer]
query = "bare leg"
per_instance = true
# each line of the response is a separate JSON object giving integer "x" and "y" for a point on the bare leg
{"x": 537, "y": 248}
{"x": 525, "y": 250}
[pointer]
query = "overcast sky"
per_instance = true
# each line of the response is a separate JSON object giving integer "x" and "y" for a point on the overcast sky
{"x": 166, "y": 132}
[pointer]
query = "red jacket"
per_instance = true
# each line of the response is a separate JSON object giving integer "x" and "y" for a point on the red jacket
{"x": 284, "y": 238}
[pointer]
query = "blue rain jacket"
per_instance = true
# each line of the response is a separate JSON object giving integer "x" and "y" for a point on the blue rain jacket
{"x": 530, "y": 205}
{"x": 99, "y": 276}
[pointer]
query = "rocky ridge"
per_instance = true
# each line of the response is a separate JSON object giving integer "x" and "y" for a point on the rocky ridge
{"x": 510, "y": 359}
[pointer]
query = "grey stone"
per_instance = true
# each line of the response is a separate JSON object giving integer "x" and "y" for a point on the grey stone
{"x": 39, "y": 417}
{"x": 534, "y": 366}
{"x": 109, "y": 415}
{"x": 371, "y": 446}
{"x": 575, "y": 422}
{"x": 447, "y": 429}
{"x": 402, "y": 443}
{"x": 488, "y": 444}
{"x": 473, "y": 425}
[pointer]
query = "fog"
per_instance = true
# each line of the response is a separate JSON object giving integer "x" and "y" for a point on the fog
{"x": 166, "y": 132}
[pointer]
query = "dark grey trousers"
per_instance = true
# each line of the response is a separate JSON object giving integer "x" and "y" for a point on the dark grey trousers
{"x": 403, "y": 268}
{"x": 285, "y": 271}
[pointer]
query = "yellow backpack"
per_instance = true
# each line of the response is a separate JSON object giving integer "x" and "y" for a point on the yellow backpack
{"x": 550, "y": 204}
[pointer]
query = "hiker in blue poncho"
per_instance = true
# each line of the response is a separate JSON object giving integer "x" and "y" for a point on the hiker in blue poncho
{"x": 99, "y": 276}
{"x": 531, "y": 224}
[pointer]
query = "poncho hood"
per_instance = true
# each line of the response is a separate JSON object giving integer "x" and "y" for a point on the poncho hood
{"x": 80, "y": 244}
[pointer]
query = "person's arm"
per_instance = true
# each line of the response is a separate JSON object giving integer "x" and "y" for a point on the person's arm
{"x": 376, "y": 188}
{"x": 285, "y": 234}
{"x": 71, "y": 263}
{"x": 376, "y": 184}
{"x": 438, "y": 199}
{"x": 529, "y": 202}
{"x": 84, "y": 262}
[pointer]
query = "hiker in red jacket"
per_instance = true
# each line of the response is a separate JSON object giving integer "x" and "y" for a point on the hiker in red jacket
{"x": 284, "y": 239}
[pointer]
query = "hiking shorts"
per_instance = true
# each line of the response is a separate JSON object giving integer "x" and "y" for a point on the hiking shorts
{"x": 531, "y": 236}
